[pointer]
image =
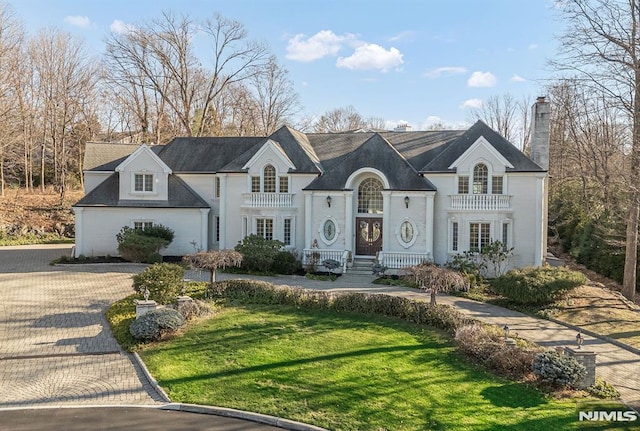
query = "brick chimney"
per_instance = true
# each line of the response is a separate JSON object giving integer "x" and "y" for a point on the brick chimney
{"x": 540, "y": 125}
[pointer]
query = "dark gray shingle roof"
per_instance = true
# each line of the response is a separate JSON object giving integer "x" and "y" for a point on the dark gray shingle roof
{"x": 106, "y": 195}
{"x": 205, "y": 154}
{"x": 375, "y": 153}
{"x": 106, "y": 156}
{"x": 442, "y": 161}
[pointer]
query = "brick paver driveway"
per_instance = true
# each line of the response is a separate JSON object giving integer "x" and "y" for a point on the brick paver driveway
{"x": 55, "y": 344}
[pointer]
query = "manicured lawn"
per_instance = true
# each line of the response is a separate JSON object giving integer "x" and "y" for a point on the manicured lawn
{"x": 344, "y": 373}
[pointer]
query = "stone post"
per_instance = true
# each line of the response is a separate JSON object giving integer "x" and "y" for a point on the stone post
{"x": 144, "y": 306}
{"x": 588, "y": 359}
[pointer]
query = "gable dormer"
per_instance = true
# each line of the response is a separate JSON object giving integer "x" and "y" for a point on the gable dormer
{"x": 269, "y": 169}
{"x": 481, "y": 169}
{"x": 143, "y": 176}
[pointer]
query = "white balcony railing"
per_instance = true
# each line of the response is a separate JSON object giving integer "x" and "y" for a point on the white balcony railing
{"x": 268, "y": 200}
{"x": 398, "y": 260}
{"x": 480, "y": 202}
{"x": 319, "y": 255}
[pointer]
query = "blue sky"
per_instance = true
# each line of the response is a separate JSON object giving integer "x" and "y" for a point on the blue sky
{"x": 414, "y": 61}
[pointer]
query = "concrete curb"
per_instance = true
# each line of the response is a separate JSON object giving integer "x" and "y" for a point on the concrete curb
{"x": 154, "y": 384}
{"x": 240, "y": 414}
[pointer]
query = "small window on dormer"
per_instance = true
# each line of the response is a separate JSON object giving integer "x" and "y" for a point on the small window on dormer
{"x": 143, "y": 182}
{"x": 269, "y": 179}
{"x": 496, "y": 185}
{"x": 463, "y": 185}
{"x": 480, "y": 179}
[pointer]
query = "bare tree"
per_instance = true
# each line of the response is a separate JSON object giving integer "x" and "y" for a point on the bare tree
{"x": 340, "y": 120}
{"x": 213, "y": 260}
{"x": 159, "y": 56}
{"x": 430, "y": 277}
{"x": 507, "y": 116}
{"x": 601, "y": 46}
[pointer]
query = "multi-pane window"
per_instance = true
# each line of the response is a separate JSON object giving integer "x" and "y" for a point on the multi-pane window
{"x": 217, "y": 187}
{"x": 217, "y": 228}
{"x": 454, "y": 236}
{"x": 139, "y": 225}
{"x": 269, "y": 179}
{"x": 284, "y": 184}
{"x": 505, "y": 236}
{"x": 480, "y": 179}
{"x": 143, "y": 182}
{"x": 479, "y": 236}
{"x": 264, "y": 228}
{"x": 255, "y": 184}
{"x": 463, "y": 185}
{"x": 370, "y": 196}
{"x": 287, "y": 232}
{"x": 496, "y": 185}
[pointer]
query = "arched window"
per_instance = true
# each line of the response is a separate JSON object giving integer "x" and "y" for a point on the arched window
{"x": 269, "y": 179}
{"x": 370, "y": 196}
{"x": 480, "y": 179}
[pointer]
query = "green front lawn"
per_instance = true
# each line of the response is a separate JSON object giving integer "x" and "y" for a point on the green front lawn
{"x": 344, "y": 372}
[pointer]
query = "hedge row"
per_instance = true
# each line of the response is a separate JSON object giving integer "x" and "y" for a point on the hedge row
{"x": 259, "y": 292}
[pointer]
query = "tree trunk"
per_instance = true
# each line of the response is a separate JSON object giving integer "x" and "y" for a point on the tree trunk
{"x": 433, "y": 296}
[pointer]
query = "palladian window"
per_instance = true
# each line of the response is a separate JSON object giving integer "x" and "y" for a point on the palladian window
{"x": 269, "y": 179}
{"x": 480, "y": 179}
{"x": 370, "y": 196}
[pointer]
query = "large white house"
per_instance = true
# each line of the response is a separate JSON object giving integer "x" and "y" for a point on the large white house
{"x": 403, "y": 196}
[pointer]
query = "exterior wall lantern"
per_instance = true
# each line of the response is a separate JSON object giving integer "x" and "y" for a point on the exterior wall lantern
{"x": 406, "y": 201}
{"x": 329, "y": 201}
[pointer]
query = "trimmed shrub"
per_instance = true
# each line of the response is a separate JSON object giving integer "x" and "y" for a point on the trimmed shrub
{"x": 143, "y": 245}
{"x": 285, "y": 262}
{"x": 259, "y": 253}
{"x": 486, "y": 345}
{"x": 259, "y": 292}
{"x": 558, "y": 369}
{"x": 602, "y": 389}
{"x": 193, "y": 309}
{"x": 163, "y": 280}
{"x": 156, "y": 323}
{"x": 540, "y": 285}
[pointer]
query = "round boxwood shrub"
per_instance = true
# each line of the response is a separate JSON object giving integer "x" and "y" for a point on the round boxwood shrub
{"x": 558, "y": 369}
{"x": 540, "y": 285}
{"x": 156, "y": 323}
{"x": 163, "y": 280}
{"x": 285, "y": 263}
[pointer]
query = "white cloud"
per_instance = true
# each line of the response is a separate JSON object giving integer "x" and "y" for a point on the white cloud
{"x": 482, "y": 79}
{"x": 322, "y": 44}
{"x": 517, "y": 78}
{"x": 78, "y": 21}
{"x": 533, "y": 46}
{"x": 371, "y": 56}
{"x": 405, "y": 35}
{"x": 445, "y": 71}
{"x": 119, "y": 27}
{"x": 472, "y": 104}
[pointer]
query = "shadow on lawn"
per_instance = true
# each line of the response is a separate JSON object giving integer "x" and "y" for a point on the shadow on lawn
{"x": 508, "y": 395}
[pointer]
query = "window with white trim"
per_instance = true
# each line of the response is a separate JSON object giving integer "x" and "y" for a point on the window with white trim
{"x": 269, "y": 179}
{"x": 479, "y": 236}
{"x": 463, "y": 185}
{"x": 454, "y": 236}
{"x": 217, "y": 187}
{"x": 143, "y": 183}
{"x": 505, "y": 235}
{"x": 217, "y": 228}
{"x": 284, "y": 184}
{"x": 370, "y": 196}
{"x": 142, "y": 224}
{"x": 255, "y": 184}
{"x": 497, "y": 183}
{"x": 286, "y": 231}
{"x": 264, "y": 227}
{"x": 480, "y": 179}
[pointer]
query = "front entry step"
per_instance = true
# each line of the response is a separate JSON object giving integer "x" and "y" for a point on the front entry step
{"x": 361, "y": 266}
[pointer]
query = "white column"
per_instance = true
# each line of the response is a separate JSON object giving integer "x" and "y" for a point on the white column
{"x": 348, "y": 221}
{"x": 204, "y": 228}
{"x": 429, "y": 222}
{"x": 223, "y": 212}
{"x": 386, "y": 221}
{"x": 308, "y": 222}
{"x": 79, "y": 234}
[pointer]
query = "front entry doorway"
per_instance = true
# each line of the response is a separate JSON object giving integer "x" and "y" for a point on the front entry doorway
{"x": 368, "y": 236}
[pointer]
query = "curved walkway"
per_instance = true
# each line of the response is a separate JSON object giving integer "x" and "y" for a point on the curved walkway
{"x": 56, "y": 348}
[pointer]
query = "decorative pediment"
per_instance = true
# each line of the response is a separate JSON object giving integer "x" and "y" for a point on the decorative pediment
{"x": 481, "y": 148}
{"x": 144, "y": 151}
{"x": 270, "y": 149}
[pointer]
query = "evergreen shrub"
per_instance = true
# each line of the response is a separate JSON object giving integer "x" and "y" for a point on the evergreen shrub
{"x": 156, "y": 323}
{"x": 558, "y": 369}
{"x": 539, "y": 285}
{"x": 163, "y": 280}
